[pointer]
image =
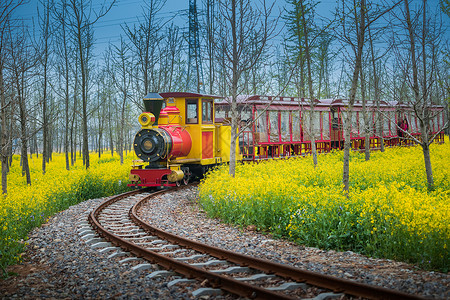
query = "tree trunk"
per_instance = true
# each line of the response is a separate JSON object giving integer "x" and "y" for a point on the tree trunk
{"x": 421, "y": 104}
{"x": 378, "y": 124}
{"x": 366, "y": 119}
{"x": 356, "y": 72}
{"x": 24, "y": 140}
{"x": 428, "y": 168}
{"x": 4, "y": 135}
{"x": 121, "y": 129}
{"x": 347, "y": 148}
{"x": 45, "y": 125}
{"x": 310, "y": 86}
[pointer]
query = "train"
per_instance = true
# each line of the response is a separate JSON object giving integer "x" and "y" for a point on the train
{"x": 185, "y": 134}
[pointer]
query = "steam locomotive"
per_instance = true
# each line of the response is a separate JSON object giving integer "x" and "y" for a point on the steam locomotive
{"x": 179, "y": 141}
{"x": 184, "y": 134}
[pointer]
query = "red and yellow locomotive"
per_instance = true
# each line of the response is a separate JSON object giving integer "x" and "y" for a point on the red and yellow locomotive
{"x": 181, "y": 140}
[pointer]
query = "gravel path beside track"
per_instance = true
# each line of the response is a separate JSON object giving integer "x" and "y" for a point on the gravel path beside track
{"x": 60, "y": 265}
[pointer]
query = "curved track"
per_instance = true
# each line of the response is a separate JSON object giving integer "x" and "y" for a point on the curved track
{"x": 117, "y": 221}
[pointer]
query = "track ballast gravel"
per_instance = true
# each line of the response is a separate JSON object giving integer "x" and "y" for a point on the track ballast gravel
{"x": 60, "y": 265}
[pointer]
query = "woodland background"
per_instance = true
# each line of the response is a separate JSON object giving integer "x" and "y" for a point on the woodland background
{"x": 59, "y": 94}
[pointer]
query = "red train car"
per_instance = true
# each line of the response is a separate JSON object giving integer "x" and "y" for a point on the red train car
{"x": 274, "y": 127}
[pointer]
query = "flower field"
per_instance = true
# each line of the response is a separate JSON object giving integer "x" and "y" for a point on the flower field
{"x": 26, "y": 207}
{"x": 389, "y": 212}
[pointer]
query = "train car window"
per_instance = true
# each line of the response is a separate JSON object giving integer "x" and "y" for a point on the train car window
{"x": 326, "y": 125}
{"x": 385, "y": 126}
{"x": 362, "y": 125}
{"x": 207, "y": 111}
{"x": 284, "y": 126}
{"x": 305, "y": 125}
{"x": 432, "y": 125}
{"x": 191, "y": 111}
{"x": 393, "y": 123}
{"x": 438, "y": 124}
{"x": 316, "y": 121}
{"x": 261, "y": 128}
{"x": 370, "y": 123}
{"x": 296, "y": 135}
{"x": 274, "y": 129}
{"x": 354, "y": 129}
{"x": 380, "y": 120}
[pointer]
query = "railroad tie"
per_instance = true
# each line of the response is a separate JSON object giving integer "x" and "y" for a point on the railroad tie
{"x": 256, "y": 277}
{"x": 231, "y": 270}
{"x": 143, "y": 266}
{"x": 94, "y": 240}
{"x": 174, "y": 252}
{"x": 86, "y": 231}
{"x": 128, "y": 259}
{"x": 101, "y": 245}
{"x": 180, "y": 280}
{"x": 88, "y": 236}
{"x": 107, "y": 249}
{"x": 118, "y": 254}
{"x": 212, "y": 262}
{"x": 326, "y": 296}
{"x": 161, "y": 273}
{"x": 287, "y": 286}
{"x": 192, "y": 257}
{"x": 206, "y": 292}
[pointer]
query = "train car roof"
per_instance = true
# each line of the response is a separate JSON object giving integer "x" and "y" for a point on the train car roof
{"x": 188, "y": 95}
{"x": 290, "y": 101}
{"x": 265, "y": 99}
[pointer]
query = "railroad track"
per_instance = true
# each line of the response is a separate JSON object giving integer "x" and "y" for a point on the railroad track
{"x": 212, "y": 269}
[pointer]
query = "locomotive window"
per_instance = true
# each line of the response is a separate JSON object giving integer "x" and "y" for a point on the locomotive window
{"x": 192, "y": 111}
{"x": 207, "y": 111}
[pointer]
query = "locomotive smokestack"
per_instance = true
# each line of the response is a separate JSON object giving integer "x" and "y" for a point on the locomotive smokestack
{"x": 153, "y": 103}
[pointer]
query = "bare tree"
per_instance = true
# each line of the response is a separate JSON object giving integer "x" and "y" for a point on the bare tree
{"x": 355, "y": 20}
{"x": 421, "y": 40}
{"x": 358, "y": 10}
{"x": 210, "y": 27}
{"x": 145, "y": 39}
{"x": 81, "y": 18}
{"x": 366, "y": 120}
{"x": 307, "y": 49}
{"x": 119, "y": 68}
{"x": 23, "y": 60}
{"x": 377, "y": 91}
{"x": 64, "y": 50}
{"x": 171, "y": 49}
{"x": 6, "y": 9}
{"x": 240, "y": 24}
{"x": 44, "y": 22}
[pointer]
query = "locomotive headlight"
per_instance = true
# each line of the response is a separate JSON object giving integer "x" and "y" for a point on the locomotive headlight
{"x": 146, "y": 119}
{"x": 147, "y": 145}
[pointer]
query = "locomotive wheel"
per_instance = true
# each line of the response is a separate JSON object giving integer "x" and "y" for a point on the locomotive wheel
{"x": 186, "y": 179}
{"x": 187, "y": 176}
{"x": 178, "y": 183}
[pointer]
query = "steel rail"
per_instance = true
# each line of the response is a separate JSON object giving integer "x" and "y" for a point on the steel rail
{"x": 335, "y": 284}
{"x": 227, "y": 283}
{"x": 215, "y": 280}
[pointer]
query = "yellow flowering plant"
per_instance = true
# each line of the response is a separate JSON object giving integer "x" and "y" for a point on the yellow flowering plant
{"x": 389, "y": 212}
{"x": 28, "y": 206}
